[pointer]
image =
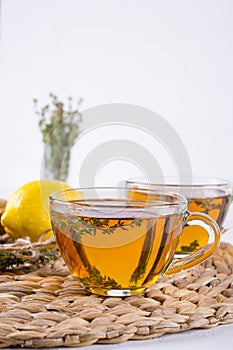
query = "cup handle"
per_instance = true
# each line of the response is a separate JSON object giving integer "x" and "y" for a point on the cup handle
{"x": 227, "y": 229}
{"x": 183, "y": 263}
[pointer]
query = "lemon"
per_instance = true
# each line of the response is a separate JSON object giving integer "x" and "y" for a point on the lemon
{"x": 27, "y": 211}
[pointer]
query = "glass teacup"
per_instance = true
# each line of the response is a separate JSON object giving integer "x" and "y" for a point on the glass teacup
{"x": 118, "y": 246}
{"x": 205, "y": 195}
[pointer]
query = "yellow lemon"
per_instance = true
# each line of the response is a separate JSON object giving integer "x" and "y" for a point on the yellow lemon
{"x": 27, "y": 211}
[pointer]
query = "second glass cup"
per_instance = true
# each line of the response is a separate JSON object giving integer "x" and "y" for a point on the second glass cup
{"x": 118, "y": 246}
{"x": 205, "y": 195}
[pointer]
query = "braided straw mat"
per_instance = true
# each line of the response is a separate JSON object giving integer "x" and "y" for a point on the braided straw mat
{"x": 45, "y": 307}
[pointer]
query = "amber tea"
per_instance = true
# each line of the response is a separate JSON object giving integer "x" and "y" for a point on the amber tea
{"x": 213, "y": 200}
{"x": 117, "y": 252}
{"x": 216, "y": 205}
{"x": 117, "y": 246}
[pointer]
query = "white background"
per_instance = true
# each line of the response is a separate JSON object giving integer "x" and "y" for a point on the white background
{"x": 172, "y": 56}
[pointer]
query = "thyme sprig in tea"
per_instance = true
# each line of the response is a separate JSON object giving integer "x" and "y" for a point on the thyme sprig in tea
{"x": 104, "y": 224}
{"x": 88, "y": 225}
{"x": 98, "y": 280}
{"x": 191, "y": 247}
{"x": 207, "y": 204}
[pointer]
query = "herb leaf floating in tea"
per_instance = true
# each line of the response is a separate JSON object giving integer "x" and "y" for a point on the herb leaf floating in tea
{"x": 207, "y": 204}
{"x": 91, "y": 224}
{"x": 191, "y": 247}
{"x": 81, "y": 225}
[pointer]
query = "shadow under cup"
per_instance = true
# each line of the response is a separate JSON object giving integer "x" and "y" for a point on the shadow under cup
{"x": 205, "y": 195}
{"x": 118, "y": 246}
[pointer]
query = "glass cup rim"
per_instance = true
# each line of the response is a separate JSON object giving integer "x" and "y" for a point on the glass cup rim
{"x": 170, "y": 181}
{"x": 179, "y": 200}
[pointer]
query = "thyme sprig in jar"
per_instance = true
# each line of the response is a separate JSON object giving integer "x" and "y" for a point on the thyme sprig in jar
{"x": 60, "y": 127}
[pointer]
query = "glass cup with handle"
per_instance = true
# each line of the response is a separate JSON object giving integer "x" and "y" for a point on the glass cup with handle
{"x": 205, "y": 195}
{"x": 119, "y": 246}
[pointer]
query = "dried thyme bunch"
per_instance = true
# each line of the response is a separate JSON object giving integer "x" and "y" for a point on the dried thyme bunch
{"x": 60, "y": 127}
{"x": 22, "y": 252}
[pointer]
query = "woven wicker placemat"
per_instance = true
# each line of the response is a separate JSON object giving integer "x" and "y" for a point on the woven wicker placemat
{"x": 46, "y": 307}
